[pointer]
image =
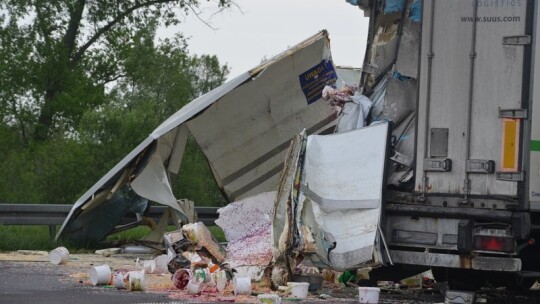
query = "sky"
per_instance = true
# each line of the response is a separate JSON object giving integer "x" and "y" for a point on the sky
{"x": 242, "y": 37}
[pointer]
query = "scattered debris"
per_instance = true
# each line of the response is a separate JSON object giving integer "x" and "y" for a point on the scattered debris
{"x": 32, "y": 252}
{"x": 459, "y": 297}
{"x": 108, "y": 251}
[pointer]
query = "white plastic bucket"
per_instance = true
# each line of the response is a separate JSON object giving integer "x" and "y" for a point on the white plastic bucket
{"x": 160, "y": 263}
{"x": 119, "y": 280}
{"x": 242, "y": 286}
{"x": 59, "y": 256}
{"x": 221, "y": 280}
{"x": 136, "y": 280}
{"x": 182, "y": 277}
{"x": 269, "y": 298}
{"x": 149, "y": 266}
{"x": 100, "y": 275}
{"x": 193, "y": 287}
{"x": 368, "y": 295}
{"x": 298, "y": 289}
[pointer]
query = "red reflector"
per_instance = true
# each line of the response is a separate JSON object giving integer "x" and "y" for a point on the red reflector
{"x": 493, "y": 243}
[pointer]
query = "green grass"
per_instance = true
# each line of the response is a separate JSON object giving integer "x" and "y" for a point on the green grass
{"x": 14, "y": 237}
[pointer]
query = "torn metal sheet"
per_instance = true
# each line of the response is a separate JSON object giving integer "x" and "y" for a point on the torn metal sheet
{"x": 245, "y": 135}
{"x": 400, "y": 98}
{"x": 409, "y": 48}
{"x": 95, "y": 224}
{"x": 384, "y": 48}
{"x": 247, "y": 227}
{"x": 243, "y": 127}
{"x": 336, "y": 211}
{"x": 348, "y": 76}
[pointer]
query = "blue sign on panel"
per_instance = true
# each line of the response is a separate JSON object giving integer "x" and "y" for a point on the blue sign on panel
{"x": 313, "y": 80}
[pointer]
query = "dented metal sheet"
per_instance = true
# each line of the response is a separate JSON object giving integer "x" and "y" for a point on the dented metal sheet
{"x": 247, "y": 225}
{"x": 400, "y": 98}
{"x": 341, "y": 167}
{"x": 409, "y": 48}
{"x": 245, "y": 135}
{"x": 243, "y": 127}
{"x": 334, "y": 216}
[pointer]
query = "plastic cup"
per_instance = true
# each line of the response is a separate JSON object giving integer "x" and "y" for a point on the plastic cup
{"x": 242, "y": 286}
{"x": 368, "y": 295}
{"x": 59, "y": 256}
{"x": 298, "y": 289}
{"x": 136, "y": 280}
{"x": 100, "y": 275}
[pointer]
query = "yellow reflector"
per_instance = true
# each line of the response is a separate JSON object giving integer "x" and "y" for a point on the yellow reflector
{"x": 510, "y": 145}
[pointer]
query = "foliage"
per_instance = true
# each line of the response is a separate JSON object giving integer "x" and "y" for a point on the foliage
{"x": 57, "y": 55}
{"x": 38, "y": 238}
{"x": 83, "y": 83}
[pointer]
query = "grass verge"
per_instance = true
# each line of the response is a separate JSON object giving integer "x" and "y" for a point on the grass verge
{"x": 37, "y": 237}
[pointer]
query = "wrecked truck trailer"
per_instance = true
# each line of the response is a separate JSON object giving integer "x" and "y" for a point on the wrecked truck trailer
{"x": 457, "y": 80}
{"x": 243, "y": 127}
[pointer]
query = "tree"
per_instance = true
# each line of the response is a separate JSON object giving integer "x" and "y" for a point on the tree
{"x": 56, "y": 56}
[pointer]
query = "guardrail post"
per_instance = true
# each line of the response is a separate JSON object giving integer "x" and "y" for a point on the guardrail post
{"x": 52, "y": 232}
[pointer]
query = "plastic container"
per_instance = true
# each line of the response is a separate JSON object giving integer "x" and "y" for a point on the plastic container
{"x": 100, "y": 275}
{"x": 298, "y": 289}
{"x": 59, "y": 256}
{"x": 368, "y": 295}
{"x": 137, "y": 280}
{"x": 193, "y": 287}
{"x": 160, "y": 263}
{"x": 242, "y": 286}
{"x": 221, "y": 280}
{"x": 315, "y": 280}
{"x": 119, "y": 280}
{"x": 202, "y": 275}
{"x": 149, "y": 266}
{"x": 182, "y": 277}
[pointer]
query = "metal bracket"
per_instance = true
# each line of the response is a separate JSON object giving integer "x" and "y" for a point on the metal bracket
{"x": 437, "y": 164}
{"x": 513, "y": 113}
{"x": 511, "y": 176}
{"x": 517, "y": 40}
{"x": 480, "y": 166}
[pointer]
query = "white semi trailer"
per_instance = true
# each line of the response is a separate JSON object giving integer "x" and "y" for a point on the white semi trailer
{"x": 460, "y": 79}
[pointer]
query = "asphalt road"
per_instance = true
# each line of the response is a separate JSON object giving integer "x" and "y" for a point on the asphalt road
{"x": 39, "y": 283}
{"x": 42, "y": 282}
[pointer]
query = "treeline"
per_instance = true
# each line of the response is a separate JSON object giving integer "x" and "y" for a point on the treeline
{"x": 82, "y": 83}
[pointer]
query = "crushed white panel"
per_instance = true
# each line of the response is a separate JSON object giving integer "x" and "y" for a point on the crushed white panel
{"x": 348, "y": 168}
{"x": 153, "y": 183}
{"x": 252, "y": 168}
{"x": 247, "y": 226}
